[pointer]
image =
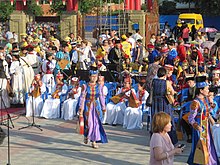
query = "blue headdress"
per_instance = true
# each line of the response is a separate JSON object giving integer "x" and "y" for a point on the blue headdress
{"x": 92, "y": 72}
{"x": 201, "y": 82}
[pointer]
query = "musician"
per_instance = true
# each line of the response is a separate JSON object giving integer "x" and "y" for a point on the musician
{"x": 115, "y": 111}
{"x": 51, "y": 108}
{"x": 133, "y": 115}
{"x": 63, "y": 54}
{"x": 89, "y": 111}
{"x": 34, "y": 102}
{"x": 144, "y": 66}
{"x": 4, "y": 80}
{"x": 48, "y": 67}
{"x": 115, "y": 53}
{"x": 69, "y": 105}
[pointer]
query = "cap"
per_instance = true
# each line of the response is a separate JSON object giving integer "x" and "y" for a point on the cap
{"x": 124, "y": 37}
{"x": 201, "y": 82}
{"x": 164, "y": 50}
{"x": 190, "y": 77}
{"x": 168, "y": 67}
{"x": 75, "y": 79}
{"x": 59, "y": 75}
{"x": 150, "y": 46}
{"x": 216, "y": 71}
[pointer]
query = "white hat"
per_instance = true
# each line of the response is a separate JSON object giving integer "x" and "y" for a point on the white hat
{"x": 75, "y": 79}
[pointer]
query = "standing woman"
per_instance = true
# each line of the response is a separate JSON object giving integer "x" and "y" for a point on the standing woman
{"x": 4, "y": 77}
{"x": 160, "y": 102}
{"x": 199, "y": 118}
{"x": 88, "y": 109}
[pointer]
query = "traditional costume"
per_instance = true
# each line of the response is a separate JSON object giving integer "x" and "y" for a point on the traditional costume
{"x": 69, "y": 105}
{"x": 35, "y": 102}
{"x": 88, "y": 107}
{"x": 51, "y": 108}
{"x": 199, "y": 118}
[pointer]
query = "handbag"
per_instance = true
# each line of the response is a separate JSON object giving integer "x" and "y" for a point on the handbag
{"x": 149, "y": 100}
{"x": 169, "y": 97}
{"x": 201, "y": 155}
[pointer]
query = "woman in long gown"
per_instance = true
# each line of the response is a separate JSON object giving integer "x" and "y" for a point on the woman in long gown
{"x": 88, "y": 109}
{"x": 160, "y": 103}
{"x": 200, "y": 109}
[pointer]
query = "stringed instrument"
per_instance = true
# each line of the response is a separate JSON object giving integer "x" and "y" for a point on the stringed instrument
{"x": 133, "y": 102}
{"x": 116, "y": 99}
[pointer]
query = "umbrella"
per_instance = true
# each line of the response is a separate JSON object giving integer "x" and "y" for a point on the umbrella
{"x": 208, "y": 29}
{"x": 207, "y": 44}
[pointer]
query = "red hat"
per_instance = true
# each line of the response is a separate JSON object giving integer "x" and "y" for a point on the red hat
{"x": 59, "y": 75}
{"x": 28, "y": 47}
{"x": 150, "y": 46}
{"x": 180, "y": 39}
{"x": 168, "y": 67}
{"x": 99, "y": 57}
{"x": 164, "y": 50}
{"x": 75, "y": 79}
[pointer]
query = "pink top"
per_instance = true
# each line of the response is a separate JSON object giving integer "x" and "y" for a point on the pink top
{"x": 185, "y": 33}
{"x": 157, "y": 140}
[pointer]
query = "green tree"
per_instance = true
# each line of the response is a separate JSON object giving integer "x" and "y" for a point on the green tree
{"x": 34, "y": 9}
{"x": 167, "y": 7}
{"x": 58, "y": 7}
{"x": 5, "y": 9}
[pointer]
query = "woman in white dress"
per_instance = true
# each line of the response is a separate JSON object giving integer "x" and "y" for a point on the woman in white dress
{"x": 69, "y": 105}
{"x": 115, "y": 112}
{"x": 51, "y": 108}
{"x": 17, "y": 76}
{"x": 133, "y": 116}
{"x": 35, "y": 102}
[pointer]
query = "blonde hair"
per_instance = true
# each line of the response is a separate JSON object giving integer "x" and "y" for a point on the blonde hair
{"x": 160, "y": 120}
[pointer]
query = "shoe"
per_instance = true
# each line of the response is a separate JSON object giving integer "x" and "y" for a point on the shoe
{"x": 95, "y": 145}
{"x": 113, "y": 124}
{"x": 86, "y": 140}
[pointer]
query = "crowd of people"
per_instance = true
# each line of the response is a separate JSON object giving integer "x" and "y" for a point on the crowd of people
{"x": 64, "y": 78}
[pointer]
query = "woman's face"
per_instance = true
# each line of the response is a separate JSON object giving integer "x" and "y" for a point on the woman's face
{"x": 167, "y": 128}
{"x": 126, "y": 84}
{"x": 140, "y": 88}
{"x": 205, "y": 91}
{"x": 93, "y": 78}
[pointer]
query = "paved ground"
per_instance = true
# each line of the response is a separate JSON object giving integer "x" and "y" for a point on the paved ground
{"x": 59, "y": 144}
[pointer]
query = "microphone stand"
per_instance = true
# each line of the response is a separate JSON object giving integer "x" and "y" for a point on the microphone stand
{"x": 33, "y": 124}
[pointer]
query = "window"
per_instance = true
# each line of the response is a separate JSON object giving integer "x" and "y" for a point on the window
{"x": 188, "y": 21}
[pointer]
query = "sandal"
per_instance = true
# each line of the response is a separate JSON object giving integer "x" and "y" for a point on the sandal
{"x": 95, "y": 145}
{"x": 85, "y": 140}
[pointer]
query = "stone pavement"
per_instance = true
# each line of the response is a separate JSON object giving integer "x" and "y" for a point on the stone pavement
{"x": 59, "y": 144}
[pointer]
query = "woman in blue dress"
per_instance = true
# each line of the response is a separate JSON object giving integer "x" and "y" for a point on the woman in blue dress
{"x": 200, "y": 119}
{"x": 160, "y": 102}
{"x": 89, "y": 109}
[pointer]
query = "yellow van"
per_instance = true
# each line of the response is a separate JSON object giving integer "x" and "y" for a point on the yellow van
{"x": 191, "y": 19}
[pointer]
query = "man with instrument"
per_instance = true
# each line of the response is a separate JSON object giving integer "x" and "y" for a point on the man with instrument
{"x": 63, "y": 61}
{"x": 51, "y": 108}
{"x": 34, "y": 102}
{"x": 115, "y": 109}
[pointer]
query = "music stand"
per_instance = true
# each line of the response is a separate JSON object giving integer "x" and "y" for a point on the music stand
{"x": 33, "y": 124}
{"x": 83, "y": 75}
{"x": 108, "y": 76}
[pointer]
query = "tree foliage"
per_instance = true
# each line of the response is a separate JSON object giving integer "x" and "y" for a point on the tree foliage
{"x": 5, "y": 10}
{"x": 167, "y": 7}
{"x": 58, "y": 7}
{"x": 205, "y": 7}
{"x": 34, "y": 9}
